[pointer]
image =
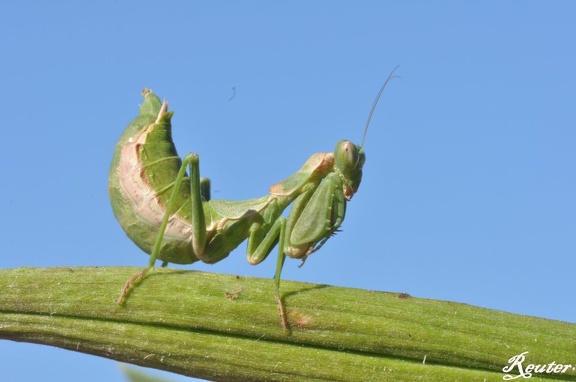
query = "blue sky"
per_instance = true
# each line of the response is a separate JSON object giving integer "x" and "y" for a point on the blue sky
{"x": 469, "y": 185}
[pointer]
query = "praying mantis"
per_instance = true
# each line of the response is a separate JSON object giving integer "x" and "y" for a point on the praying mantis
{"x": 164, "y": 205}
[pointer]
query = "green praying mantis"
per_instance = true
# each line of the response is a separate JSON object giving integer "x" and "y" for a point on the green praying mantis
{"x": 164, "y": 205}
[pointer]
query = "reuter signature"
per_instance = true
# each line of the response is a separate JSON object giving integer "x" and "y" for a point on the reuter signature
{"x": 517, "y": 362}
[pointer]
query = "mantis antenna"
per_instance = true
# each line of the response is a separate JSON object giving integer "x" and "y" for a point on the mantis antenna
{"x": 390, "y": 76}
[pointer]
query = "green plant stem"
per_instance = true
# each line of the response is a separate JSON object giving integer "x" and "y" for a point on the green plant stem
{"x": 227, "y": 328}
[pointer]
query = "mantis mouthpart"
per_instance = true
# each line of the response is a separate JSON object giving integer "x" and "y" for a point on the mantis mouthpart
{"x": 164, "y": 206}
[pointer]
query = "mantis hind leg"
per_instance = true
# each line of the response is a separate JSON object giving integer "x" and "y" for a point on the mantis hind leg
{"x": 199, "y": 190}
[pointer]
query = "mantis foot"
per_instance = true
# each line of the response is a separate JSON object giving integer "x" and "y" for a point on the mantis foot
{"x": 129, "y": 285}
{"x": 283, "y": 317}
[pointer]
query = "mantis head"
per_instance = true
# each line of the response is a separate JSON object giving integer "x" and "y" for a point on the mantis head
{"x": 348, "y": 162}
{"x": 349, "y": 158}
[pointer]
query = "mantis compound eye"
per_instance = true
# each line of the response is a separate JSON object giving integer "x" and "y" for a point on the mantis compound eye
{"x": 346, "y": 155}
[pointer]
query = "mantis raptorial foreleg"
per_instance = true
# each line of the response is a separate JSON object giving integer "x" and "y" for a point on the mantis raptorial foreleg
{"x": 165, "y": 208}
